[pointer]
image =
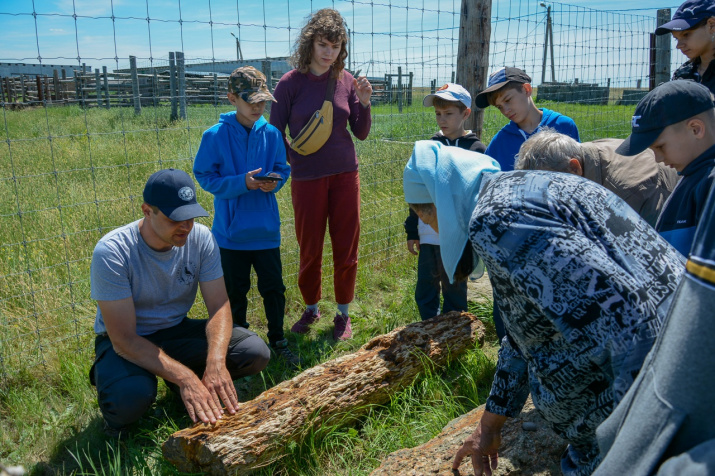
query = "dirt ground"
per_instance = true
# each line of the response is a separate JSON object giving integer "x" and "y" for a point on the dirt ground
{"x": 479, "y": 290}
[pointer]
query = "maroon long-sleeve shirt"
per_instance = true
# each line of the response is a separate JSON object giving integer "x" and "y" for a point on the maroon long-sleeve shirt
{"x": 299, "y": 95}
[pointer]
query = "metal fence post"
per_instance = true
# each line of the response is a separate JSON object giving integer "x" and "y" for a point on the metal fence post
{"x": 181, "y": 73}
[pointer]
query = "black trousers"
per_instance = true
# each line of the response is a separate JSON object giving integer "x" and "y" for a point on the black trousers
{"x": 125, "y": 391}
{"x": 269, "y": 271}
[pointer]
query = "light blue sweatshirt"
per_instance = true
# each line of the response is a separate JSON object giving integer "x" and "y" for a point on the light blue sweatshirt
{"x": 243, "y": 219}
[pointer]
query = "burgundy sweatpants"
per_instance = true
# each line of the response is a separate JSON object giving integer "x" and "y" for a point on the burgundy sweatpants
{"x": 332, "y": 201}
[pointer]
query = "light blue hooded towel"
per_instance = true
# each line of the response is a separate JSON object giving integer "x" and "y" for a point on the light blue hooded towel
{"x": 450, "y": 178}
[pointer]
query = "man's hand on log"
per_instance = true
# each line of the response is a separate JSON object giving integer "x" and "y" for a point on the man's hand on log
{"x": 218, "y": 382}
{"x": 198, "y": 401}
{"x": 482, "y": 445}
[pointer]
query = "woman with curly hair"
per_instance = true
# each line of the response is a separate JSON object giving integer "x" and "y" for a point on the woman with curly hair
{"x": 326, "y": 186}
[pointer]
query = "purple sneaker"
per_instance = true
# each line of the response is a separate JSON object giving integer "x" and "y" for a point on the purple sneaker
{"x": 343, "y": 329}
{"x": 308, "y": 318}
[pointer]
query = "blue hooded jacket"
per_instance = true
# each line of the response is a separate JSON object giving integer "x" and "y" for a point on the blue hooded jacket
{"x": 243, "y": 219}
{"x": 504, "y": 146}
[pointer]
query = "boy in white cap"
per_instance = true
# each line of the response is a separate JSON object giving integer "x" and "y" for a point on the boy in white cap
{"x": 452, "y": 106}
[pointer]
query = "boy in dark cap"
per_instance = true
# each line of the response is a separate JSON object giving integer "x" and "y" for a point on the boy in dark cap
{"x": 677, "y": 121}
{"x": 509, "y": 90}
{"x": 693, "y": 27}
{"x": 242, "y": 162}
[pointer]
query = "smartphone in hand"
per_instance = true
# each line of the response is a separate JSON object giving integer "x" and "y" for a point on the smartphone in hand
{"x": 267, "y": 178}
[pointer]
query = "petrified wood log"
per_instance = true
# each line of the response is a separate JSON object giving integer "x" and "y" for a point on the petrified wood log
{"x": 535, "y": 450}
{"x": 345, "y": 386}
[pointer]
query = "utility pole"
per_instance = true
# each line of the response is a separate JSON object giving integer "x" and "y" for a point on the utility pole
{"x": 548, "y": 40}
{"x": 239, "y": 54}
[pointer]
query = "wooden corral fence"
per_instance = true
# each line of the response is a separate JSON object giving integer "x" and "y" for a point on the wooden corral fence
{"x": 164, "y": 86}
{"x": 393, "y": 89}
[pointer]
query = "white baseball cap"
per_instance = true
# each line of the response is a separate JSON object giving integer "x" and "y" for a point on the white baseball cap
{"x": 450, "y": 92}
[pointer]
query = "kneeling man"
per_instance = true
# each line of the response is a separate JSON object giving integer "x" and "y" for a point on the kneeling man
{"x": 144, "y": 277}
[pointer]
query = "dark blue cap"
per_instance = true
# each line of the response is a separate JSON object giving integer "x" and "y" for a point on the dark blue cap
{"x": 497, "y": 80}
{"x": 669, "y": 103}
{"x": 173, "y": 192}
{"x": 689, "y": 14}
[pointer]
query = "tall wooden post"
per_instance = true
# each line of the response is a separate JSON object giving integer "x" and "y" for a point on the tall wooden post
{"x": 181, "y": 76}
{"x": 216, "y": 90}
{"x": 135, "y": 85}
{"x": 105, "y": 87}
{"x": 38, "y": 82}
{"x": 98, "y": 87}
{"x": 174, "y": 115}
{"x": 56, "y": 82}
{"x": 155, "y": 87}
{"x": 473, "y": 53}
{"x": 662, "y": 50}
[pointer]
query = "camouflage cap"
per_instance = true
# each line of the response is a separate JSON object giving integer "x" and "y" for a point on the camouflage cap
{"x": 249, "y": 84}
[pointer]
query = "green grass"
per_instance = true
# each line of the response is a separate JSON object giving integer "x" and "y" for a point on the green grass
{"x": 68, "y": 176}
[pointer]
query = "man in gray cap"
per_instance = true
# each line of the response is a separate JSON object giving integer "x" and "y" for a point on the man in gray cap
{"x": 144, "y": 277}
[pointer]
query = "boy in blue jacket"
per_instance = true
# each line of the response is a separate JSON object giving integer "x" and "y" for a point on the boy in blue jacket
{"x": 509, "y": 90}
{"x": 242, "y": 162}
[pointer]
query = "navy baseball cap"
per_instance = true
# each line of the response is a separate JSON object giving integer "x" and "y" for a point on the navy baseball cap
{"x": 668, "y": 104}
{"x": 498, "y": 80}
{"x": 689, "y": 14}
{"x": 173, "y": 192}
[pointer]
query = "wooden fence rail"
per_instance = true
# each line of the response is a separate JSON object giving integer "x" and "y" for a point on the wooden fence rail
{"x": 173, "y": 86}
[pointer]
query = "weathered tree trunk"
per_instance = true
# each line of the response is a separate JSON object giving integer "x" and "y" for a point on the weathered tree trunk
{"x": 536, "y": 451}
{"x": 475, "y": 31}
{"x": 341, "y": 388}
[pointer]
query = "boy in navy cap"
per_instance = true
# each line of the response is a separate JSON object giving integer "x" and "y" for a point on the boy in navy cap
{"x": 677, "y": 121}
{"x": 452, "y": 106}
{"x": 242, "y": 162}
{"x": 509, "y": 90}
{"x": 144, "y": 277}
{"x": 693, "y": 26}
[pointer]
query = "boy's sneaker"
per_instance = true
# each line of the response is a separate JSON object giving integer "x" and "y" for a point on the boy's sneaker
{"x": 343, "y": 329}
{"x": 308, "y": 318}
{"x": 281, "y": 349}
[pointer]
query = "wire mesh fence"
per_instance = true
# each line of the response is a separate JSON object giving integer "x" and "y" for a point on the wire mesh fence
{"x": 84, "y": 126}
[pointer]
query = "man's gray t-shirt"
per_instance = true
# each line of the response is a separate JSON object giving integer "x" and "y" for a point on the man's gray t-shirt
{"x": 162, "y": 284}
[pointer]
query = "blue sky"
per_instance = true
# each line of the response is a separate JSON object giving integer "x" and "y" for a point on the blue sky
{"x": 421, "y": 34}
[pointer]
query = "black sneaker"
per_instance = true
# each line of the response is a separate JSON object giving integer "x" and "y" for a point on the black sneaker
{"x": 115, "y": 433}
{"x": 281, "y": 350}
